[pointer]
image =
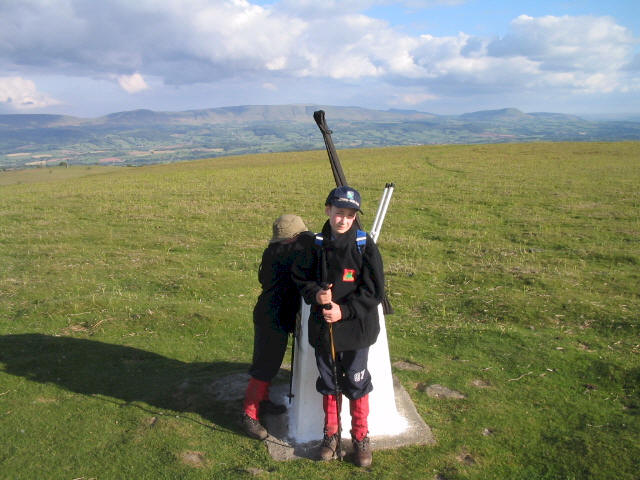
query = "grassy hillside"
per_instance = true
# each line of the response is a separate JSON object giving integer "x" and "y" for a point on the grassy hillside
{"x": 513, "y": 270}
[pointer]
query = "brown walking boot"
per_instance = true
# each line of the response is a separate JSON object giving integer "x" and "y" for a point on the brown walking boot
{"x": 328, "y": 447}
{"x": 253, "y": 428}
{"x": 362, "y": 455}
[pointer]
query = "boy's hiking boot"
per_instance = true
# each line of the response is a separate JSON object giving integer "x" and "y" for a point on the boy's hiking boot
{"x": 362, "y": 456}
{"x": 328, "y": 447}
{"x": 253, "y": 428}
{"x": 270, "y": 408}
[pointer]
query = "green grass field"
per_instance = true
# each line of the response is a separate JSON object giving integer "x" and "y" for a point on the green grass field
{"x": 513, "y": 267}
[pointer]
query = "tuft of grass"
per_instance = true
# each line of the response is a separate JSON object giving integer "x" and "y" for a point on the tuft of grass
{"x": 512, "y": 269}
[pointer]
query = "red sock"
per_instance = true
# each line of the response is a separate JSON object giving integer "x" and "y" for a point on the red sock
{"x": 330, "y": 406}
{"x": 257, "y": 391}
{"x": 359, "y": 413}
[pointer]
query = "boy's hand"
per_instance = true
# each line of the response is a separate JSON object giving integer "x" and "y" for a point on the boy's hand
{"x": 332, "y": 315}
{"x": 324, "y": 297}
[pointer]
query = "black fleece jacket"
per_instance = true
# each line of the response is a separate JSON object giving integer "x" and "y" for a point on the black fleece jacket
{"x": 279, "y": 301}
{"x": 358, "y": 288}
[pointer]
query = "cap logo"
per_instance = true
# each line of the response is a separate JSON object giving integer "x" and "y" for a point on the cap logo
{"x": 348, "y": 200}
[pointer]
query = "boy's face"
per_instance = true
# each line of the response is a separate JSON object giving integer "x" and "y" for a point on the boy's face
{"x": 340, "y": 218}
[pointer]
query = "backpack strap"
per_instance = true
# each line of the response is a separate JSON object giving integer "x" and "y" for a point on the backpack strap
{"x": 361, "y": 240}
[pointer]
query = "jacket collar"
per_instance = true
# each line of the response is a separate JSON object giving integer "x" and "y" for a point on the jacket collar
{"x": 347, "y": 238}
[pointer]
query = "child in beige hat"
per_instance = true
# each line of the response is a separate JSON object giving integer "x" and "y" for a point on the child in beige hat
{"x": 274, "y": 318}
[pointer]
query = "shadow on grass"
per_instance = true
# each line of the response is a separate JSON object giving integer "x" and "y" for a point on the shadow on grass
{"x": 137, "y": 377}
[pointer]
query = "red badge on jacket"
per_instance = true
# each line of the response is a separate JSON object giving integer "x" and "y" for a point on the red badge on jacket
{"x": 349, "y": 275}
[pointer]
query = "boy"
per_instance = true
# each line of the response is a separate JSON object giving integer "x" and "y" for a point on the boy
{"x": 274, "y": 317}
{"x": 343, "y": 282}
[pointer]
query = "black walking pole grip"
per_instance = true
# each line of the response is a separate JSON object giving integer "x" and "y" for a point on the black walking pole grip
{"x": 325, "y": 286}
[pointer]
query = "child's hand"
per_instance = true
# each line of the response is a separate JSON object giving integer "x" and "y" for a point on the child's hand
{"x": 332, "y": 315}
{"x": 324, "y": 297}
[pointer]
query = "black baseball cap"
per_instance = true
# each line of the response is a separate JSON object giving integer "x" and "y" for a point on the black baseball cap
{"x": 344, "y": 197}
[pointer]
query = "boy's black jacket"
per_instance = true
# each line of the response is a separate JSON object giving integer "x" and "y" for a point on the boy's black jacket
{"x": 279, "y": 301}
{"x": 358, "y": 288}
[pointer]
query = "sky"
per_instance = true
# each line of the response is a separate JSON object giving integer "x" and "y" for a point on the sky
{"x": 92, "y": 57}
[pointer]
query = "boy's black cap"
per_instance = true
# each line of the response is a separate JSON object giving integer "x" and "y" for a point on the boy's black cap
{"x": 344, "y": 197}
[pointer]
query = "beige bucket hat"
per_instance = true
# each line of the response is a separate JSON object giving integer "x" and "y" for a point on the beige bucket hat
{"x": 286, "y": 227}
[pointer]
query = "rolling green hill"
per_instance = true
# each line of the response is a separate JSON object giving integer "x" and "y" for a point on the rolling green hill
{"x": 142, "y": 137}
{"x": 513, "y": 270}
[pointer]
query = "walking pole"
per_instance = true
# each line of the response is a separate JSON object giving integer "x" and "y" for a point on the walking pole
{"x": 324, "y": 284}
{"x": 338, "y": 393}
{"x": 327, "y": 306}
{"x": 293, "y": 349}
{"x": 382, "y": 211}
{"x": 377, "y": 222}
{"x": 387, "y": 309}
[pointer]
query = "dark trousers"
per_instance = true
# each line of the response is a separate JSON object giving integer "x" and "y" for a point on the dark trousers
{"x": 354, "y": 378}
{"x": 269, "y": 347}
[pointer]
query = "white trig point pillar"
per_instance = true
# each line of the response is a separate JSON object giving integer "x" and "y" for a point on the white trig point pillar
{"x": 306, "y": 416}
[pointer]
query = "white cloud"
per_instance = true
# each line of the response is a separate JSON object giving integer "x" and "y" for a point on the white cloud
{"x": 132, "y": 83}
{"x": 209, "y": 41}
{"x": 567, "y": 43}
{"x": 326, "y": 8}
{"x": 581, "y": 54}
{"x": 413, "y": 98}
{"x": 21, "y": 94}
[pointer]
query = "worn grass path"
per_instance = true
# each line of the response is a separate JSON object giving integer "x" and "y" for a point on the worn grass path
{"x": 513, "y": 270}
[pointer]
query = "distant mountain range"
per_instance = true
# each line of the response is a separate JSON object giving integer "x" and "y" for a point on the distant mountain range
{"x": 145, "y": 136}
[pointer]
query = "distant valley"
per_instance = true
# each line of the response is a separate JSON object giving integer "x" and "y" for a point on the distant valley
{"x": 144, "y": 137}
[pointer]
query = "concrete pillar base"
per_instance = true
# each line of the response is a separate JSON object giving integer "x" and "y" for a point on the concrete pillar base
{"x": 283, "y": 448}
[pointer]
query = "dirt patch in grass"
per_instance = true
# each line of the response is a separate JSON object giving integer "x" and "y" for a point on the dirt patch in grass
{"x": 439, "y": 391}
{"x": 45, "y": 400}
{"x": 466, "y": 458}
{"x": 479, "y": 383}
{"x": 407, "y": 365}
{"x": 193, "y": 459}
